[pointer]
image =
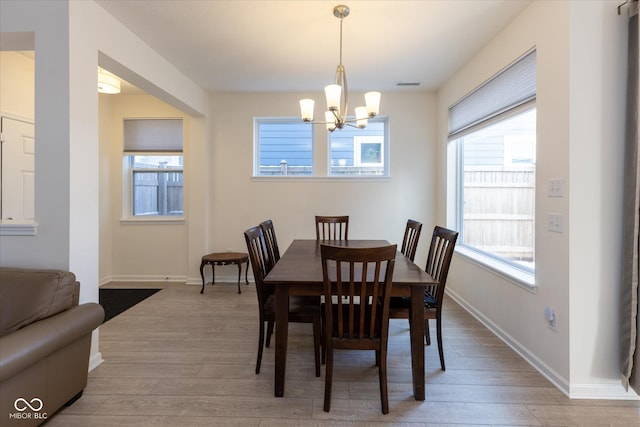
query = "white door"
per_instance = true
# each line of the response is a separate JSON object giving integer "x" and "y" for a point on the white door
{"x": 17, "y": 172}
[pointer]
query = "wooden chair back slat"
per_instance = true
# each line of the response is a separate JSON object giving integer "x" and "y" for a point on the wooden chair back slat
{"x": 411, "y": 237}
{"x": 332, "y": 227}
{"x": 270, "y": 239}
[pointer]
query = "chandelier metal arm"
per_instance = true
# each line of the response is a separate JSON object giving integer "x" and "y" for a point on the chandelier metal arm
{"x": 338, "y": 95}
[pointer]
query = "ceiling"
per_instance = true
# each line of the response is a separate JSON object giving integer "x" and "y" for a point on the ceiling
{"x": 293, "y": 46}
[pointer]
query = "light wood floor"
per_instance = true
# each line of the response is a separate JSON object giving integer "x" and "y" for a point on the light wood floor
{"x": 184, "y": 359}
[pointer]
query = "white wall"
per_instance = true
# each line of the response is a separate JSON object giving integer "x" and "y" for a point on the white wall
{"x": 106, "y": 174}
{"x": 69, "y": 39}
{"x": 377, "y": 208}
{"x": 17, "y": 85}
{"x": 148, "y": 251}
{"x": 597, "y": 99}
{"x": 50, "y": 247}
{"x": 580, "y": 54}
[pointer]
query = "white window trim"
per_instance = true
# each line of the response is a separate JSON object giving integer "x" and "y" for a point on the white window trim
{"x": 524, "y": 279}
{"x": 386, "y": 163}
{"x": 127, "y": 201}
{"x": 487, "y": 114}
{"x": 162, "y": 220}
{"x": 378, "y": 178}
{"x": 16, "y": 228}
{"x": 386, "y": 149}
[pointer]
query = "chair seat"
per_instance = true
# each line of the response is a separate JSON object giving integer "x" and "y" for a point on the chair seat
{"x": 405, "y": 302}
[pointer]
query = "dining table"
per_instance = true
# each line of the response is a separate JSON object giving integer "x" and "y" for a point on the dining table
{"x": 299, "y": 272}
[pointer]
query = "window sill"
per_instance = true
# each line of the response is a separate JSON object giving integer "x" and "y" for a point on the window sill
{"x": 321, "y": 178}
{"x": 505, "y": 271}
{"x": 161, "y": 220}
{"x": 15, "y": 228}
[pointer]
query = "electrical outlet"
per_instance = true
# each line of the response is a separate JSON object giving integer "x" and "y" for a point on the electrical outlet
{"x": 553, "y": 323}
{"x": 555, "y": 222}
{"x": 552, "y": 318}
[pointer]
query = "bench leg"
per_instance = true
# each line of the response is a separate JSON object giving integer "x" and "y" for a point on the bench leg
{"x": 202, "y": 275}
{"x": 239, "y": 273}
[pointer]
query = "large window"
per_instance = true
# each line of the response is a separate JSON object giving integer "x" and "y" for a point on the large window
{"x": 153, "y": 163}
{"x": 494, "y": 133}
{"x": 283, "y": 147}
{"x": 359, "y": 152}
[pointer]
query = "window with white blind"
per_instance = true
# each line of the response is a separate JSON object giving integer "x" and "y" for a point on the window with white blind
{"x": 153, "y": 165}
{"x": 493, "y": 132}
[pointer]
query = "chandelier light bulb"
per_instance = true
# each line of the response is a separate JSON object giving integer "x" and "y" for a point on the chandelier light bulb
{"x": 333, "y": 93}
{"x": 330, "y": 120}
{"x": 361, "y": 117}
{"x": 306, "y": 109}
{"x": 372, "y": 99}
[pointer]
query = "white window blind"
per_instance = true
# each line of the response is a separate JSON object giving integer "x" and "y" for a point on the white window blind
{"x": 152, "y": 135}
{"x": 504, "y": 93}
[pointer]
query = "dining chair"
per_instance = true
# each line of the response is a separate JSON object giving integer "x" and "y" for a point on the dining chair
{"x": 332, "y": 227}
{"x": 272, "y": 243}
{"x": 443, "y": 242}
{"x": 361, "y": 320}
{"x": 411, "y": 238}
{"x": 301, "y": 309}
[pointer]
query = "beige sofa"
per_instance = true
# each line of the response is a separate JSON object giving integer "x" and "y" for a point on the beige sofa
{"x": 45, "y": 340}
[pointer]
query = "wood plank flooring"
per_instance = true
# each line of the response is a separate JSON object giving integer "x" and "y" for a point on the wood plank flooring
{"x": 180, "y": 358}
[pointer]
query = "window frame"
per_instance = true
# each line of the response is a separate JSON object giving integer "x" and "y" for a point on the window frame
{"x": 128, "y": 188}
{"x": 385, "y": 163}
{"x": 510, "y": 270}
{"x": 257, "y": 121}
{"x": 460, "y": 202}
{"x": 315, "y": 165}
{"x": 144, "y": 147}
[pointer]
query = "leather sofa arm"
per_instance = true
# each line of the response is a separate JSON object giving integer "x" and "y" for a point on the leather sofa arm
{"x": 38, "y": 340}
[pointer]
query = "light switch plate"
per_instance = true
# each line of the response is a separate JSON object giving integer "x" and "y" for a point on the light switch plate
{"x": 556, "y": 187}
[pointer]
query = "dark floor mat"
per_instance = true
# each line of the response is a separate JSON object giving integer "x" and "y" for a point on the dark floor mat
{"x": 116, "y": 301}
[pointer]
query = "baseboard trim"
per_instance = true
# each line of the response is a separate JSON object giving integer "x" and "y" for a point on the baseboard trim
{"x": 231, "y": 278}
{"x": 95, "y": 361}
{"x": 145, "y": 278}
{"x": 610, "y": 391}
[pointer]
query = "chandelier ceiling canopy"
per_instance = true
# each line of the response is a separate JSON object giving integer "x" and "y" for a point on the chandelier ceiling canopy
{"x": 338, "y": 96}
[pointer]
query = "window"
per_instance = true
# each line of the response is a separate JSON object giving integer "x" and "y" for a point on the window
{"x": 494, "y": 132}
{"x": 153, "y": 163}
{"x": 359, "y": 152}
{"x": 284, "y": 147}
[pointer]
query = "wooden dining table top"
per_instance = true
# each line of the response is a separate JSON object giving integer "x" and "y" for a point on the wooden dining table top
{"x": 301, "y": 263}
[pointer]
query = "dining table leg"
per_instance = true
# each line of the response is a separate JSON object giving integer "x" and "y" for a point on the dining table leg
{"x": 282, "y": 330}
{"x": 416, "y": 313}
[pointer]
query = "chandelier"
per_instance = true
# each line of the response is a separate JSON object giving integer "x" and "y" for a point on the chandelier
{"x": 338, "y": 96}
